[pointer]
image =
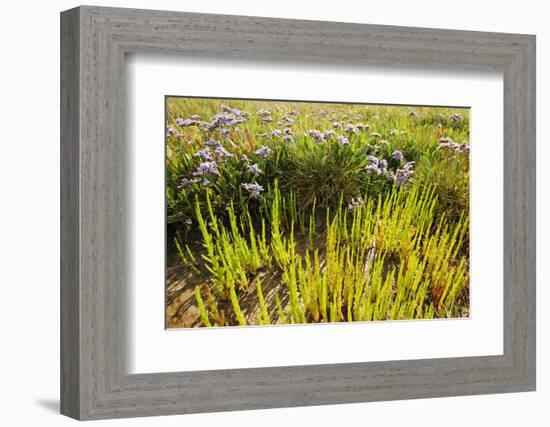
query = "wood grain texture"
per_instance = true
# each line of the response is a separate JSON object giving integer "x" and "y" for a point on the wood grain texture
{"x": 94, "y": 270}
{"x": 70, "y": 314}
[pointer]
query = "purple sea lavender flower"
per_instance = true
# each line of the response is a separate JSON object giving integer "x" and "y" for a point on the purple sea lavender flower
{"x": 221, "y": 152}
{"x": 288, "y": 138}
{"x": 454, "y": 146}
{"x": 373, "y": 160}
{"x": 183, "y": 183}
{"x": 403, "y": 176}
{"x": 185, "y": 122}
{"x": 206, "y": 168}
{"x": 224, "y": 119}
{"x": 203, "y": 125}
{"x": 343, "y": 140}
{"x": 254, "y": 189}
{"x": 204, "y": 154}
{"x": 225, "y": 133}
{"x": 287, "y": 120}
{"x": 328, "y": 134}
{"x": 398, "y": 155}
{"x": 456, "y": 117}
{"x": 170, "y": 131}
{"x": 263, "y": 151}
{"x": 275, "y": 133}
{"x": 235, "y": 111}
{"x": 350, "y": 128}
{"x": 254, "y": 169}
{"x": 315, "y": 134}
{"x": 372, "y": 168}
{"x": 263, "y": 112}
{"x": 336, "y": 125}
{"x": 376, "y": 166}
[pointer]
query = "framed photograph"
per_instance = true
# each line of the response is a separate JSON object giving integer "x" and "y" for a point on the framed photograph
{"x": 262, "y": 213}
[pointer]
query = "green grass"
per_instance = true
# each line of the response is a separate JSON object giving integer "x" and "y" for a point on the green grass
{"x": 327, "y": 239}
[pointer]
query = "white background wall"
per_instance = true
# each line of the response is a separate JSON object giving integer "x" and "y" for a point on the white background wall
{"x": 29, "y": 224}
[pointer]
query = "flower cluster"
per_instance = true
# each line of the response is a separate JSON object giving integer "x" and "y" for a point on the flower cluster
{"x": 235, "y": 111}
{"x": 286, "y": 121}
{"x": 404, "y": 175}
{"x": 398, "y": 155}
{"x": 315, "y": 134}
{"x": 213, "y": 149}
{"x": 288, "y": 135}
{"x": 221, "y": 152}
{"x": 254, "y": 189}
{"x": 207, "y": 168}
{"x": 376, "y": 166}
{"x": 204, "y": 154}
{"x": 263, "y": 112}
{"x": 254, "y": 169}
{"x": 319, "y": 136}
{"x": 457, "y": 147}
{"x": 184, "y": 183}
{"x": 342, "y": 140}
{"x": 186, "y": 122}
{"x": 225, "y": 120}
{"x": 351, "y": 128}
{"x": 457, "y": 117}
{"x": 264, "y": 151}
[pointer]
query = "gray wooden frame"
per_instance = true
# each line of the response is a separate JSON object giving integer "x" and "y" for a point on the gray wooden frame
{"x": 94, "y": 382}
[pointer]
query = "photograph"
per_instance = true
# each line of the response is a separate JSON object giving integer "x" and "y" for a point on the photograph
{"x": 293, "y": 212}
